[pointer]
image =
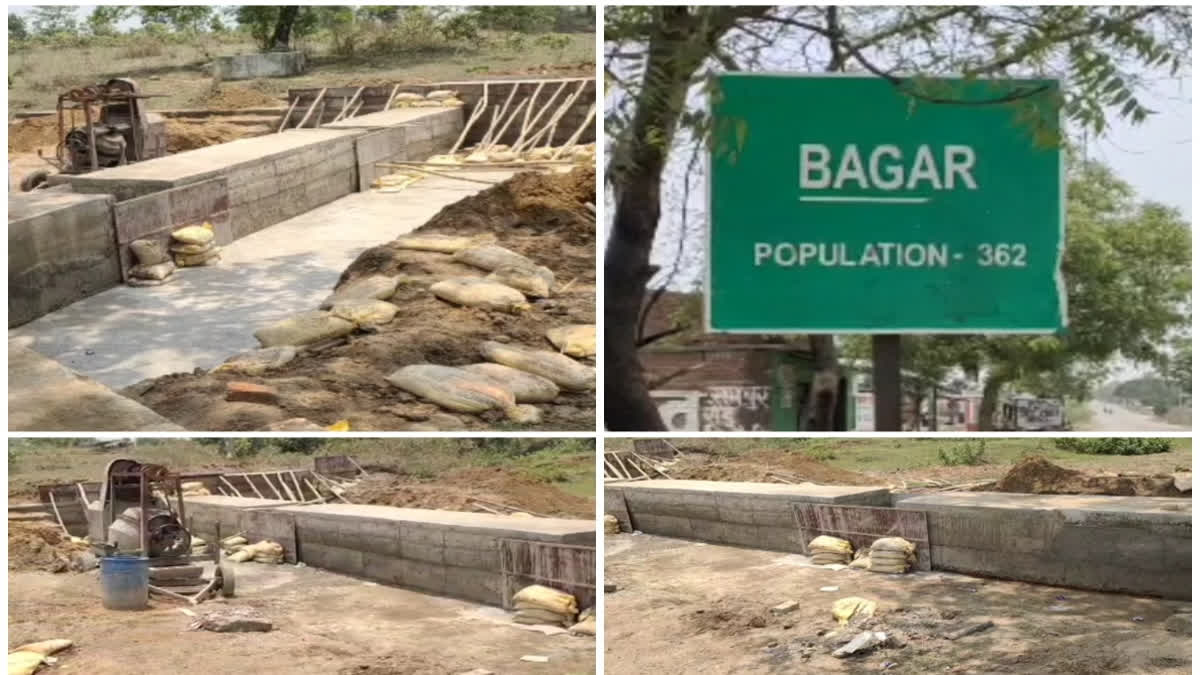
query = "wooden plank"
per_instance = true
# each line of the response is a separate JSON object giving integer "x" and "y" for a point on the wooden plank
{"x": 391, "y": 97}
{"x": 267, "y": 480}
{"x": 311, "y": 108}
{"x": 288, "y": 116}
{"x": 348, "y": 104}
{"x": 231, "y": 487}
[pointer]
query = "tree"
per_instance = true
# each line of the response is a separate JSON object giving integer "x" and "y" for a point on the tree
{"x": 55, "y": 19}
{"x": 103, "y": 19}
{"x": 17, "y": 30}
{"x": 181, "y": 18}
{"x": 274, "y": 26}
{"x": 517, "y": 18}
{"x": 657, "y": 56}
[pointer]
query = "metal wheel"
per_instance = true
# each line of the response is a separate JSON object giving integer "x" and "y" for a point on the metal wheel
{"x": 34, "y": 180}
{"x": 225, "y": 572}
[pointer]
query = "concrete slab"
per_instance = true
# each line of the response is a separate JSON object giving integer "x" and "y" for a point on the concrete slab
{"x": 1149, "y": 508}
{"x": 232, "y": 502}
{"x": 124, "y": 335}
{"x": 386, "y": 118}
{"x": 45, "y": 396}
{"x": 566, "y": 530}
{"x": 830, "y": 494}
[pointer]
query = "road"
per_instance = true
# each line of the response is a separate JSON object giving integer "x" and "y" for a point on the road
{"x": 1124, "y": 419}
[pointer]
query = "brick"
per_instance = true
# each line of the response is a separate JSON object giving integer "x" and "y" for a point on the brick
{"x": 250, "y": 392}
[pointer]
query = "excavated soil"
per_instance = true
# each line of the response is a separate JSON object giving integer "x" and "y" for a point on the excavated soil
{"x": 31, "y": 133}
{"x": 454, "y": 491}
{"x": 541, "y": 216}
{"x": 760, "y": 466}
{"x": 1037, "y": 475}
{"x": 189, "y": 135}
{"x": 229, "y": 97}
{"x": 39, "y": 546}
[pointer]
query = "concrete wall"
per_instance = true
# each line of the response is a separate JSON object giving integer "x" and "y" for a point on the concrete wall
{"x": 755, "y": 515}
{"x": 61, "y": 249}
{"x": 155, "y": 216}
{"x": 1139, "y": 545}
{"x": 250, "y": 66}
{"x": 401, "y": 134}
{"x": 203, "y": 515}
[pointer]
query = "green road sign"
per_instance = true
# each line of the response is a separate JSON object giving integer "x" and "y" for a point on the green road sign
{"x": 841, "y": 204}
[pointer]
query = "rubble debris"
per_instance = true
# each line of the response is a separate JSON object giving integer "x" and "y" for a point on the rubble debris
{"x": 250, "y": 393}
{"x": 1037, "y": 475}
{"x": 238, "y": 619}
{"x": 785, "y": 607}
{"x": 863, "y": 642}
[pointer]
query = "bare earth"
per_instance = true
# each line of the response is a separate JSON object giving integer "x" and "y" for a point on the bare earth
{"x": 687, "y": 607}
{"x": 325, "y": 624}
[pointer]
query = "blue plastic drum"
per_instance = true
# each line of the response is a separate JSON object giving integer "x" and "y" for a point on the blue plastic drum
{"x": 125, "y": 582}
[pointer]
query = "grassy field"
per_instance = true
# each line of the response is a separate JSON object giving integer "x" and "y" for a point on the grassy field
{"x": 911, "y": 455}
{"x": 179, "y": 70}
{"x": 567, "y": 464}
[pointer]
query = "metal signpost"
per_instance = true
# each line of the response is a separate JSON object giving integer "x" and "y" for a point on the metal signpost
{"x": 842, "y": 204}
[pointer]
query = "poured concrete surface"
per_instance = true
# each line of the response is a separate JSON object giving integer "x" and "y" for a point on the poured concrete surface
{"x": 564, "y": 530}
{"x": 124, "y": 335}
{"x": 324, "y": 624}
{"x": 831, "y": 494}
{"x": 45, "y": 396}
{"x": 386, "y": 118}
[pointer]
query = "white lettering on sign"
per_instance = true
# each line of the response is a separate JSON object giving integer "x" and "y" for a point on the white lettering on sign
{"x": 839, "y": 254}
{"x": 885, "y": 169}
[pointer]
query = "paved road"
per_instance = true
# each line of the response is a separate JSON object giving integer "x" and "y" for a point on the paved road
{"x": 1123, "y": 419}
{"x": 125, "y": 334}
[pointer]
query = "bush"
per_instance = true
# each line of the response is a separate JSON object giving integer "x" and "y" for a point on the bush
{"x": 966, "y": 454}
{"x": 1114, "y": 446}
{"x": 820, "y": 454}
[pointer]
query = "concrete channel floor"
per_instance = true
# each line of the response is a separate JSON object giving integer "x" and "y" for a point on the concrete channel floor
{"x": 683, "y": 607}
{"x": 324, "y": 624}
{"x": 125, "y": 334}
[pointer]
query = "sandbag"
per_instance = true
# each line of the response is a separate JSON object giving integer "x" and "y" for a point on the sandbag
{"x": 559, "y": 369}
{"x": 156, "y": 272}
{"x": 192, "y": 249}
{"x": 524, "y": 414}
{"x": 148, "y": 252}
{"x": 849, "y": 609}
{"x": 208, "y": 257}
{"x": 257, "y": 362}
{"x": 24, "y": 663}
{"x": 408, "y": 96}
{"x": 575, "y": 340}
{"x": 503, "y": 156}
{"x": 365, "y": 312}
{"x": 453, "y": 388}
{"x": 491, "y": 257}
{"x": 544, "y": 597}
{"x": 585, "y": 627}
{"x": 540, "y": 616}
{"x": 472, "y": 292}
{"x": 526, "y": 387}
{"x": 440, "y": 243}
{"x": 45, "y": 647}
{"x": 303, "y": 328}
{"x": 534, "y": 281}
{"x": 194, "y": 234}
{"x": 439, "y": 94}
{"x": 374, "y": 287}
{"x": 826, "y": 550}
{"x": 611, "y": 524}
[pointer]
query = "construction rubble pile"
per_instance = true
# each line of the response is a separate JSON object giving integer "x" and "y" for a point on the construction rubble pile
{"x": 542, "y": 605}
{"x": 887, "y": 555}
{"x": 191, "y": 246}
{"x": 498, "y": 298}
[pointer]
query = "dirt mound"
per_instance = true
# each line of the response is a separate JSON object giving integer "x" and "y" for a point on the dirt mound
{"x": 29, "y": 134}
{"x": 230, "y": 97}
{"x": 1037, "y": 475}
{"x": 38, "y": 546}
{"x": 760, "y": 466}
{"x": 454, "y": 491}
{"x": 729, "y": 617}
{"x": 539, "y": 216}
{"x": 183, "y": 135}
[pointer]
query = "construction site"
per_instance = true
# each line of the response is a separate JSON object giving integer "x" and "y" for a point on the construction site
{"x": 241, "y": 553}
{"x": 769, "y": 556}
{"x": 332, "y": 262}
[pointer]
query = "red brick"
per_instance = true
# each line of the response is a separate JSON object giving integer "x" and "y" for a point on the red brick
{"x": 250, "y": 393}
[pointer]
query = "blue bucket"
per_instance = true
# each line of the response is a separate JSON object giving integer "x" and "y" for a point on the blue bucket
{"x": 125, "y": 582}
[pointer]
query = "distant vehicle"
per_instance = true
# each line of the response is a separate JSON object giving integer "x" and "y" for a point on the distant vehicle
{"x": 1029, "y": 413}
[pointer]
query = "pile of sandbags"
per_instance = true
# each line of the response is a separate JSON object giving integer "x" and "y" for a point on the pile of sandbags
{"x": 586, "y": 625}
{"x": 265, "y": 551}
{"x": 826, "y": 550}
{"x": 544, "y": 605}
{"x": 611, "y": 524}
{"x": 194, "y": 246}
{"x": 892, "y": 555}
{"x": 26, "y": 659}
{"x": 153, "y": 265}
{"x": 194, "y": 488}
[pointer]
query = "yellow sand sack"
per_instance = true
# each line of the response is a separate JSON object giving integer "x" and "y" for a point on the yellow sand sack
{"x": 611, "y": 524}
{"x": 577, "y": 340}
{"x": 526, "y": 387}
{"x": 534, "y": 281}
{"x": 848, "y": 609}
{"x": 45, "y": 647}
{"x": 540, "y": 616}
{"x": 230, "y": 542}
{"x": 440, "y": 243}
{"x": 559, "y": 369}
{"x": 543, "y": 597}
{"x": 491, "y": 257}
{"x": 24, "y": 663}
{"x": 365, "y": 312}
{"x": 453, "y": 388}
{"x": 585, "y": 627}
{"x": 194, "y": 234}
{"x": 302, "y": 329}
{"x": 472, "y": 292}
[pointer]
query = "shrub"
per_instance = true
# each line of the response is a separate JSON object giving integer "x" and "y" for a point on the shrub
{"x": 966, "y": 454}
{"x": 820, "y": 454}
{"x": 1114, "y": 446}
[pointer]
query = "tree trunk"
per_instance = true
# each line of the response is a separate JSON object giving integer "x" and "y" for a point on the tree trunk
{"x": 991, "y": 393}
{"x": 823, "y": 395}
{"x": 281, "y": 39}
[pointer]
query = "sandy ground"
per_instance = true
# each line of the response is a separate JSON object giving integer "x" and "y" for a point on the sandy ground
{"x": 325, "y": 624}
{"x": 1123, "y": 419}
{"x": 687, "y": 607}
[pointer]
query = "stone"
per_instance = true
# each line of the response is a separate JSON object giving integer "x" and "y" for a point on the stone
{"x": 249, "y": 392}
{"x": 1183, "y": 481}
{"x": 863, "y": 642}
{"x": 785, "y": 607}
{"x": 294, "y": 424}
{"x": 239, "y": 619}
{"x": 148, "y": 252}
{"x": 1179, "y": 623}
{"x": 255, "y": 363}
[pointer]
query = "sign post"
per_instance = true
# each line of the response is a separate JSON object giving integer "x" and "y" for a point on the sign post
{"x": 841, "y": 204}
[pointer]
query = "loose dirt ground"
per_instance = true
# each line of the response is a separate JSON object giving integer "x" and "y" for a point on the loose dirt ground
{"x": 457, "y": 490}
{"x": 325, "y": 624}
{"x": 541, "y": 216}
{"x": 684, "y": 607}
{"x": 39, "y": 545}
